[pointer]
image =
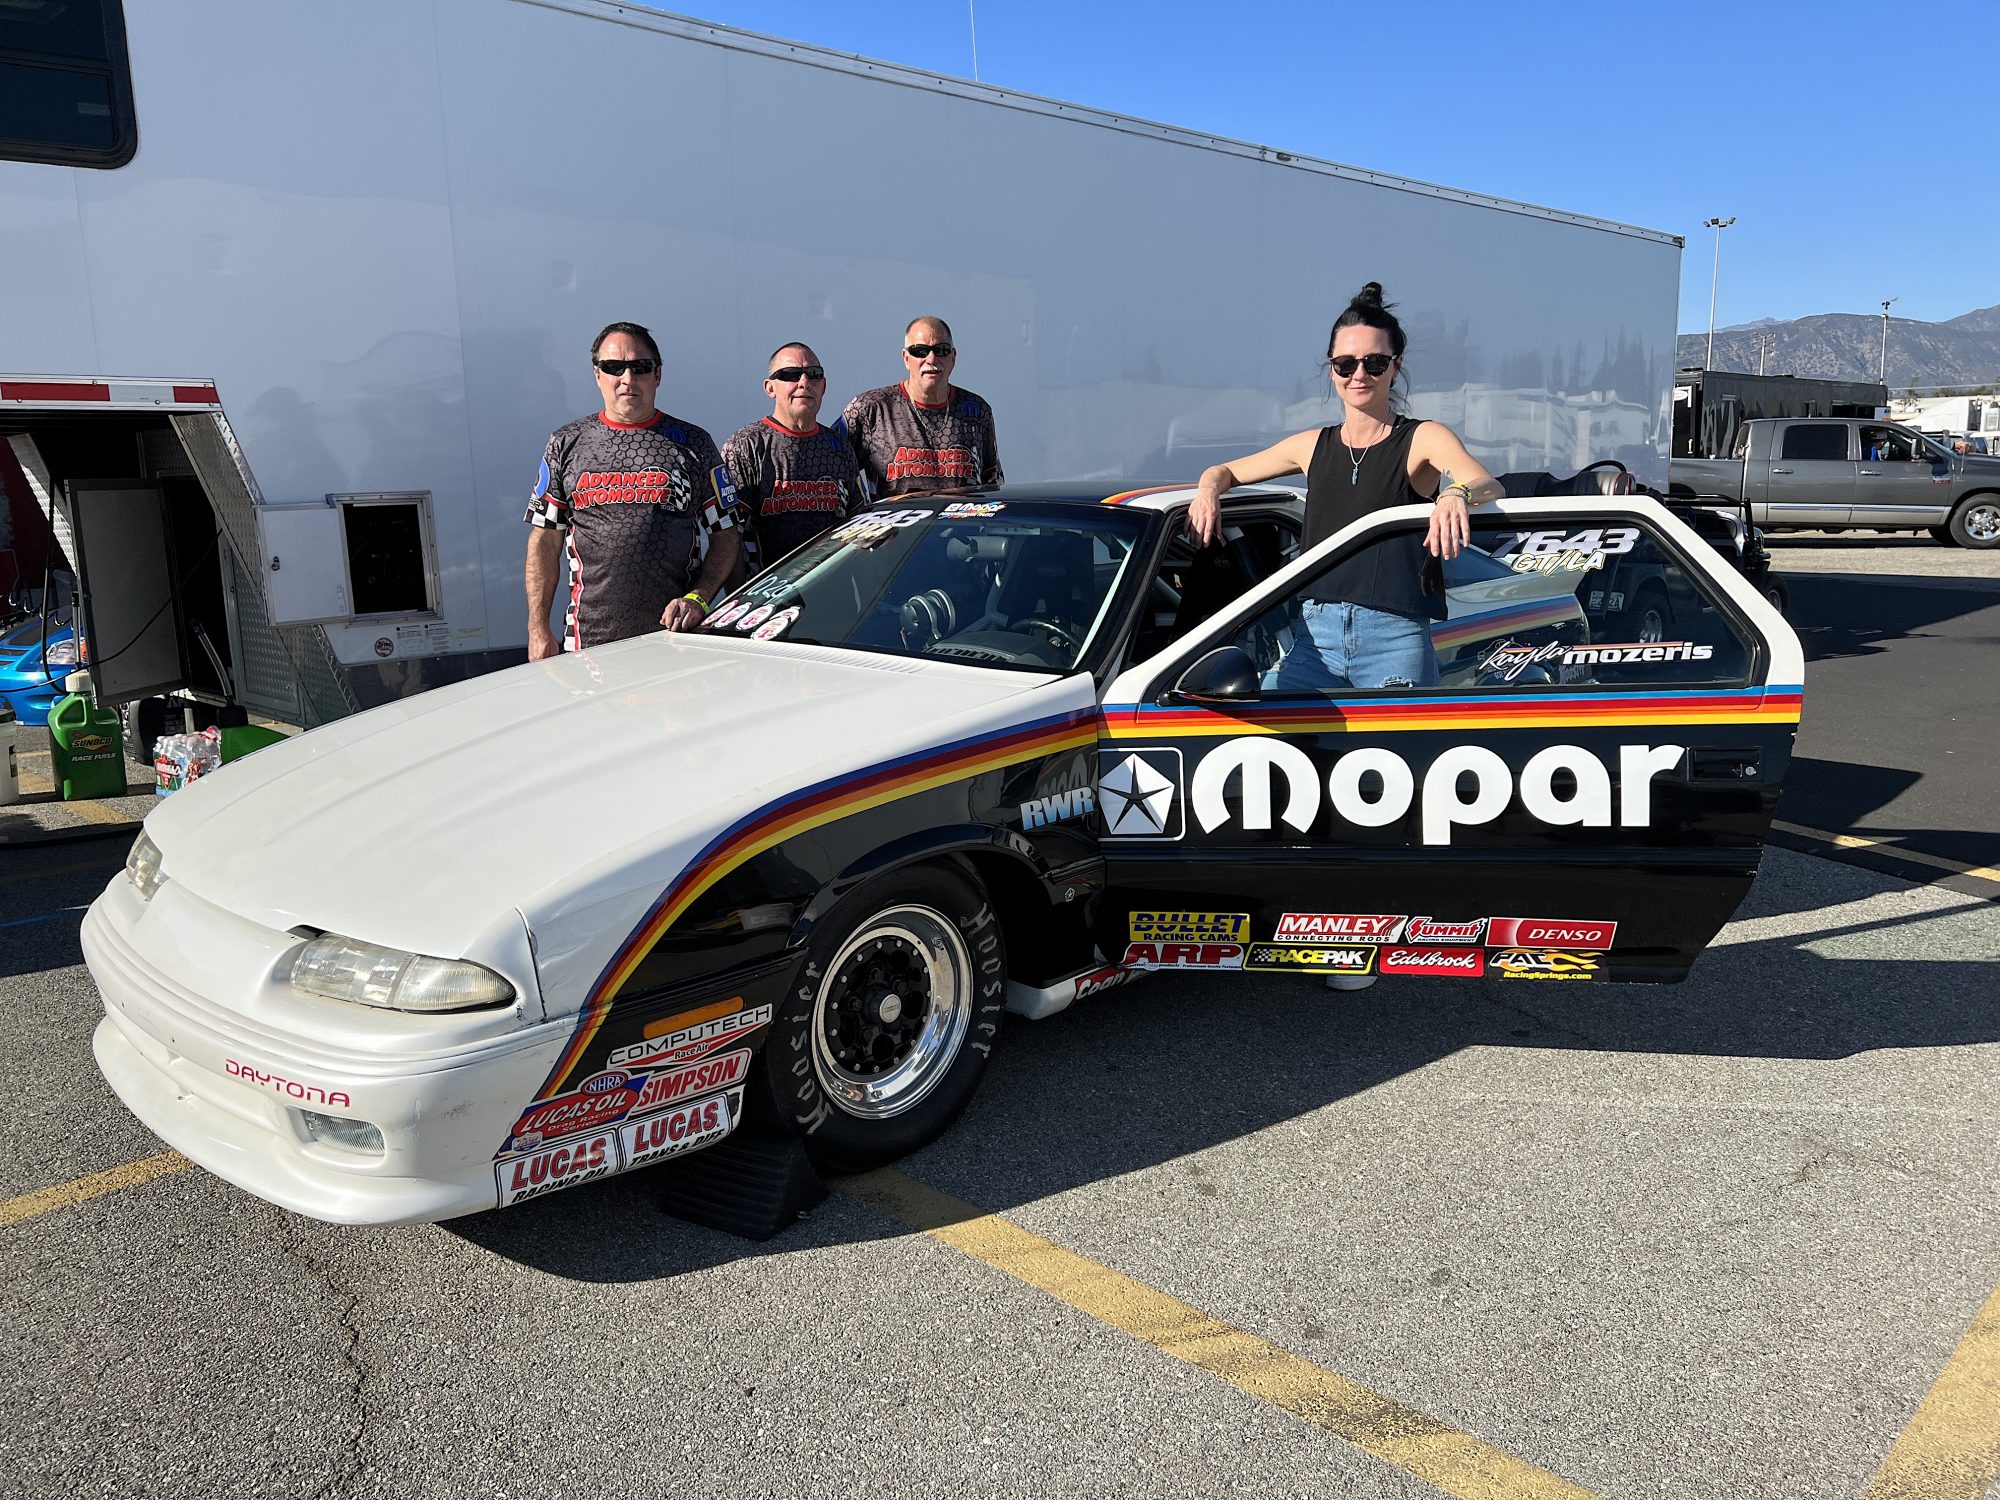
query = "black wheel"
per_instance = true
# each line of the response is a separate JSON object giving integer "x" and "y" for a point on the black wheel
{"x": 1976, "y": 522}
{"x": 891, "y": 1019}
{"x": 1775, "y": 593}
{"x": 1647, "y": 619}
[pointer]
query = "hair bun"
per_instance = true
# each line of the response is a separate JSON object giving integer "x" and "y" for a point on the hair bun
{"x": 1369, "y": 296}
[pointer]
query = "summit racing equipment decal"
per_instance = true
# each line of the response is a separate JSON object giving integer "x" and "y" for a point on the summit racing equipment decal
{"x": 1524, "y": 963}
{"x": 1139, "y": 793}
{"x": 1190, "y": 927}
{"x": 800, "y": 812}
{"x": 1540, "y": 932}
{"x": 1281, "y": 959}
{"x": 566, "y": 1165}
{"x": 1320, "y": 927}
{"x": 1183, "y": 956}
{"x": 692, "y": 1042}
{"x": 689, "y": 1127}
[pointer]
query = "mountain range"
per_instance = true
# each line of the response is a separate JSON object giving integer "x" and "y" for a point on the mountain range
{"x": 1961, "y": 351}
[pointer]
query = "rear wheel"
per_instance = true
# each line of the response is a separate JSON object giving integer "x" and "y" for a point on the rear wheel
{"x": 1775, "y": 593}
{"x": 1976, "y": 522}
{"x": 1648, "y": 618}
{"x": 888, "y": 1028}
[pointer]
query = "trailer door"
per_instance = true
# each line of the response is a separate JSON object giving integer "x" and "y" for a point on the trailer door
{"x": 127, "y": 587}
{"x": 1570, "y": 800}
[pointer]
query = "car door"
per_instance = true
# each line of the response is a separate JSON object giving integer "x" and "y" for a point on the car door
{"x": 1899, "y": 480}
{"x": 1567, "y": 802}
{"x": 1811, "y": 475}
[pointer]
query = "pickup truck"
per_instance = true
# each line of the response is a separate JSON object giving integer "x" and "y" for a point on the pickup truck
{"x": 1829, "y": 473}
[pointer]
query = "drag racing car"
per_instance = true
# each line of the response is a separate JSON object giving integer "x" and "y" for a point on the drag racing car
{"x": 962, "y": 755}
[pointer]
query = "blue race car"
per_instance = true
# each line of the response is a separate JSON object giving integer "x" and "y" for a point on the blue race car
{"x": 33, "y": 664}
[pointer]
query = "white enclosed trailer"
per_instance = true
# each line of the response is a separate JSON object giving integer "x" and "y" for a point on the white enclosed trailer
{"x": 290, "y": 315}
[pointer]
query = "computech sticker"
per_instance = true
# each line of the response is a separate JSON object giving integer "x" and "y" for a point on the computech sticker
{"x": 1190, "y": 927}
{"x": 703, "y": 1077}
{"x": 600, "y": 1100}
{"x": 698, "y": 1123}
{"x": 1525, "y": 963}
{"x": 691, "y": 1042}
{"x": 1455, "y": 963}
{"x": 1184, "y": 956}
{"x": 561, "y": 1166}
{"x": 1548, "y": 932}
{"x": 1285, "y": 958}
{"x": 1328, "y": 927}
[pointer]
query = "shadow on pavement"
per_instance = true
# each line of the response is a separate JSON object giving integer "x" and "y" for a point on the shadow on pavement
{"x": 1823, "y": 612}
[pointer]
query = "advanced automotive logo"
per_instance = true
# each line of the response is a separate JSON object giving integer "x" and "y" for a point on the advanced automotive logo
{"x": 1139, "y": 793}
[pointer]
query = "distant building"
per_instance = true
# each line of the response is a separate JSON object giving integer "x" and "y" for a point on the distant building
{"x": 1711, "y": 406}
{"x": 1956, "y": 415}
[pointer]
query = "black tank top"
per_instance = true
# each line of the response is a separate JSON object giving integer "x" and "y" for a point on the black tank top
{"x": 1385, "y": 575}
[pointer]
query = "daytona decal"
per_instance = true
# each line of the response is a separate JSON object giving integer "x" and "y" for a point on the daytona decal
{"x": 1184, "y": 956}
{"x": 1538, "y": 932}
{"x": 1430, "y": 930}
{"x": 1524, "y": 963}
{"x": 687, "y": 1128}
{"x": 1281, "y": 959}
{"x": 1465, "y": 963}
{"x": 291, "y": 1088}
{"x": 566, "y": 1165}
{"x": 1190, "y": 927}
{"x": 698, "y": 1078}
{"x": 691, "y": 1042}
{"x": 1319, "y": 927}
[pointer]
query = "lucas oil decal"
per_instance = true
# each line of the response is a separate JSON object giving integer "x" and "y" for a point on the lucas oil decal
{"x": 690, "y": 1042}
{"x": 560, "y": 1166}
{"x": 600, "y": 1100}
{"x": 691, "y": 1125}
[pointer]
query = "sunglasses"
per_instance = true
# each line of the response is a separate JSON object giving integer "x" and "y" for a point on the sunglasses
{"x": 789, "y": 374}
{"x": 924, "y": 351}
{"x": 620, "y": 366}
{"x": 1346, "y": 364}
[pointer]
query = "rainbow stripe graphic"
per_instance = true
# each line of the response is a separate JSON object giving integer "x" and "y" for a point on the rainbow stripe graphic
{"x": 1588, "y": 710}
{"x": 1124, "y": 495}
{"x": 814, "y": 807}
{"x": 1448, "y": 634}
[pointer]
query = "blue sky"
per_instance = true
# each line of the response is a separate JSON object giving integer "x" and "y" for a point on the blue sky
{"x": 1852, "y": 144}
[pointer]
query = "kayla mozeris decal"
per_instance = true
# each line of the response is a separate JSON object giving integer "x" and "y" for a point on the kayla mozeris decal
{"x": 1325, "y": 927}
{"x": 561, "y": 1166}
{"x": 1281, "y": 958}
{"x": 691, "y": 1042}
{"x": 1524, "y": 963}
{"x": 1190, "y": 926}
{"x": 1510, "y": 659}
{"x": 1460, "y": 963}
{"x": 1183, "y": 956}
{"x": 1549, "y": 932}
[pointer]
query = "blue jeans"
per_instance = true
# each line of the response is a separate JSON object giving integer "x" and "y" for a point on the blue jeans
{"x": 1346, "y": 646}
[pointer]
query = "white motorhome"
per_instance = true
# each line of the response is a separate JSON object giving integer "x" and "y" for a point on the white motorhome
{"x": 282, "y": 353}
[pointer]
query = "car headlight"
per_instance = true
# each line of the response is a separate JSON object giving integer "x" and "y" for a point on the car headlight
{"x": 344, "y": 968}
{"x": 61, "y": 654}
{"x": 142, "y": 865}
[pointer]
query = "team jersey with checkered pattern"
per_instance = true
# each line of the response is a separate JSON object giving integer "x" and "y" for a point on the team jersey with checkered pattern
{"x": 636, "y": 506}
{"x": 906, "y": 447}
{"x": 791, "y": 485}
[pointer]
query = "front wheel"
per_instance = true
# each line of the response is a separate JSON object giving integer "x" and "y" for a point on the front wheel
{"x": 1976, "y": 522}
{"x": 891, "y": 1019}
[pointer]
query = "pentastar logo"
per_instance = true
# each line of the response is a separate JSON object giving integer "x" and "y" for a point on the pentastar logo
{"x": 1139, "y": 793}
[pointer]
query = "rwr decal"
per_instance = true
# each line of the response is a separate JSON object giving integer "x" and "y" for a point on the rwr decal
{"x": 1058, "y": 807}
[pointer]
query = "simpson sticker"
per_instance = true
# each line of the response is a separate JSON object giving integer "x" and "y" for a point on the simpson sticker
{"x": 598, "y": 1101}
{"x": 1524, "y": 963}
{"x": 703, "y": 1077}
{"x": 691, "y": 1042}
{"x": 1323, "y": 927}
{"x": 1139, "y": 793}
{"x": 561, "y": 1166}
{"x": 1606, "y": 539}
{"x": 777, "y": 625}
{"x": 1184, "y": 956}
{"x": 1461, "y": 963}
{"x": 972, "y": 509}
{"x": 1058, "y": 807}
{"x": 686, "y": 1128}
{"x": 755, "y": 617}
{"x": 1097, "y": 981}
{"x": 1190, "y": 927}
{"x": 1543, "y": 932}
{"x": 1257, "y": 764}
{"x": 1430, "y": 930}
{"x": 1281, "y": 958}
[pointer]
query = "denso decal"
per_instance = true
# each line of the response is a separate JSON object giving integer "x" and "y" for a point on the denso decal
{"x": 555, "y": 1167}
{"x": 1283, "y": 959}
{"x": 1325, "y": 927}
{"x": 1058, "y": 807}
{"x": 1464, "y": 963}
{"x": 698, "y": 1078}
{"x": 699, "y": 1123}
{"x": 1523, "y": 963}
{"x": 1539, "y": 932}
{"x": 690, "y": 1042}
{"x": 291, "y": 1088}
{"x": 597, "y": 1102}
{"x": 1184, "y": 956}
{"x": 1430, "y": 930}
{"x": 1190, "y": 926}
{"x": 1263, "y": 760}
{"x": 1097, "y": 981}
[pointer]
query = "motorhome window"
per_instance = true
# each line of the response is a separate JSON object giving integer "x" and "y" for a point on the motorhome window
{"x": 65, "y": 83}
{"x": 1816, "y": 440}
{"x": 386, "y": 567}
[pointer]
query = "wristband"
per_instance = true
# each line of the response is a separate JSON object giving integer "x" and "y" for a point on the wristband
{"x": 1459, "y": 485}
{"x": 691, "y": 594}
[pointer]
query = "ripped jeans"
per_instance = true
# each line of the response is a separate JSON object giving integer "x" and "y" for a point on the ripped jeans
{"x": 1347, "y": 646}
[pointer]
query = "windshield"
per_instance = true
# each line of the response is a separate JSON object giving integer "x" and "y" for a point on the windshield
{"x": 1025, "y": 587}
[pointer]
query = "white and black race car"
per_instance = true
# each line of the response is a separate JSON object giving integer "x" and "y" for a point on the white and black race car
{"x": 961, "y": 755}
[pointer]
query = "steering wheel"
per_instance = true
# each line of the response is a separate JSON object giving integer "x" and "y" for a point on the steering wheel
{"x": 1060, "y": 635}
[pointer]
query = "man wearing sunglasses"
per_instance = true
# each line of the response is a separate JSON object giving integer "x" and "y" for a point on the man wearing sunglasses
{"x": 794, "y": 478}
{"x": 641, "y": 501}
{"x": 925, "y": 433}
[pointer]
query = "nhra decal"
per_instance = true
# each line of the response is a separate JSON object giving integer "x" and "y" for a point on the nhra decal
{"x": 1139, "y": 793}
{"x": 691, "y": 1042}
{"x": 1184, "y": 956}
{"x": 1537, "y": 932}
{"x": 700, "y": 1078}
{"x": 1319, "y": 927}
{"x": 687, "y": 1128}
{"x": 1430, "y": 930}
{"x": 1190, "y": 927}
{"x": 800, "y": 812}
{"x": 566, "y": 1165}
{"x": 1282, "y": 959}
{"x": 1097, "y": 981}
{"x": 1466, "y": 963}
{"x": 603, "y": 1099}
{"x": 1525, "y": 963}
{"x": 1058, "y": 807}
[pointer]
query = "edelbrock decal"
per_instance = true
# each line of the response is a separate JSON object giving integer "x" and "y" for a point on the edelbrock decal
{"x": 1139, "y": 792}
{"x": 1262, "y": 760}
{"x": 562, "y": 1166}
{"x": 1463, "y": 963}
{"x": 690, "y": 1042}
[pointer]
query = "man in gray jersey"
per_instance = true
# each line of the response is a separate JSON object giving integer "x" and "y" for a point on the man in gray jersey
{"x": 926, "y": 433}
{"x": 643, "y": 502}
{"x": 793, "y": 477}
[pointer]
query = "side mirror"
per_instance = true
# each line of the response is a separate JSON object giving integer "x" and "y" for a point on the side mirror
{"x": 1225, "y": 675}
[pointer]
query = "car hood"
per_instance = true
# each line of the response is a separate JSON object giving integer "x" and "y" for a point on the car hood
{"x": 548, "y": 786}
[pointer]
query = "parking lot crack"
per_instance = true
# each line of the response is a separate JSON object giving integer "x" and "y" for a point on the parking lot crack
{"x": 343, "y": 1483}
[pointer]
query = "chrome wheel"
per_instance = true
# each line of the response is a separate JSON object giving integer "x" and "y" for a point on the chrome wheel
{"x": 891, "y": 1015}
{"x": 1981, "y": 523}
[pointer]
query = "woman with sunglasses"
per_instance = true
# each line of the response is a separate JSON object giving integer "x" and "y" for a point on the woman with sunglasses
{"x": 1367, "y": 621}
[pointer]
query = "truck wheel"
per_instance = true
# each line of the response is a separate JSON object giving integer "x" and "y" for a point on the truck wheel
{"x": 1648, "y": 620}
{"x": 1775, "y": 593}
{"x": 891, "y": 1020}
{"x": 1976, "y": 522}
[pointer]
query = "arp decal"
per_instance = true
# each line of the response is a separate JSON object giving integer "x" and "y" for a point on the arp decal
{"x": 700, "y": 1122}
{"x": 1545, "y": 932}
{"x": 691, "y": 1042}
{"x": 600, "y": 1100}
{"x": 1139, "y": 793}
{"x": 1281, "y": 958}
{"x": 1430, "y": 930}
{"x": 1190, "y": 926}
{"x": 1527, "y": 963}
{"x": 1458, "y": 963}
{"x": 1058, "y": 807}
{"x": 1184, "y": 956}
{"x": 697, "y": 1078}
{"x": 560, "y": 1166}
{"x": 1328, "y": 927}
{"x": 1260, "y": 761}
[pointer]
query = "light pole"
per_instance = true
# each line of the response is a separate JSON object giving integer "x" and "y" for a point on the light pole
{"x": 1882, "y": 370}
{"x": 1718, "y": 225}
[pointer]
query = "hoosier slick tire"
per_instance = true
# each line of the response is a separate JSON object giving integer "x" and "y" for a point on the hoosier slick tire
{"x": 890, "y": 1020}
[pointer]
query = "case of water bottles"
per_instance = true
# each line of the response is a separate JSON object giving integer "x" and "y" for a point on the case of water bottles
{"x": 181, "y": 758}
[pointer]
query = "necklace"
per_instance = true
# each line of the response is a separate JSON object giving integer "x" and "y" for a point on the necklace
{"x": 1357, "y": 454}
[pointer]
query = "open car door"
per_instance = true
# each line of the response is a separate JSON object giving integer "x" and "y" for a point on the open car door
{"x": 1585, "y": 794}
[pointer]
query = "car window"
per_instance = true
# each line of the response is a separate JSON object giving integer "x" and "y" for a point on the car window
{"x": 1190, "y": 584}
{"x": 1022, "y": 587}
{"x": 1815, "y": 440}
{"x": 1561, "y": 603}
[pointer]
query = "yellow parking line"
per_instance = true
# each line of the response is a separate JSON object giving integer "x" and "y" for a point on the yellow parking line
{"x": 65, "y": 1194}
{"x": 1951, "y": 1449}
{"x": 1893, "y": 851}
{"x": 1453, "y": 1461}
